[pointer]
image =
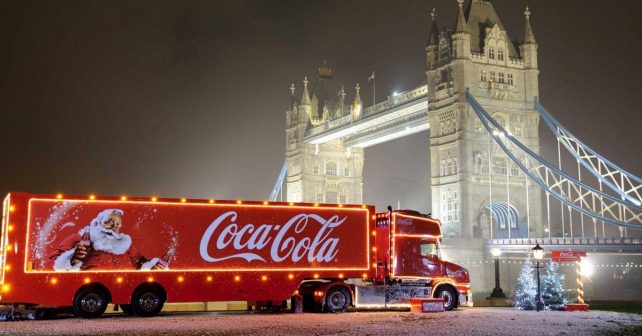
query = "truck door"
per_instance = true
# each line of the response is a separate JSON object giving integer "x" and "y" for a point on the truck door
{"x": 416, "y": 257}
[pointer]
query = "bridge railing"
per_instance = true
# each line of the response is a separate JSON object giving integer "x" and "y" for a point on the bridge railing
{"x": 567, "y": 241}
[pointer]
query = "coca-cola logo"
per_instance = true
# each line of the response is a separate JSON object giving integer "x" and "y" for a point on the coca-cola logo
{"x": 284, "y": 241}
{"x": 403, "y": 221}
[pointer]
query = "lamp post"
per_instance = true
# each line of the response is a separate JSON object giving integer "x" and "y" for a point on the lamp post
{"x": 497, "y": 291}
{"x": 538, "y": 253}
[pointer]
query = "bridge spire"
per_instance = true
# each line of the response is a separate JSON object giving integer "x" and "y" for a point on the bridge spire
{"x": 460, "y": 25}
{"x": 529, "y": 37}
{"x": 433, "y": 37}
{"x": 356, "y": 106}
{"x": 305, "y": 99}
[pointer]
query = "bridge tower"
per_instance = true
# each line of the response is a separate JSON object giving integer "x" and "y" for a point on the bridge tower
{"x": 328, "y": 172}
{"x": 503, "y": 74}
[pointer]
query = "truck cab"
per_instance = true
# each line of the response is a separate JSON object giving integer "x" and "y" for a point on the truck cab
{"x": 409, "y": 262}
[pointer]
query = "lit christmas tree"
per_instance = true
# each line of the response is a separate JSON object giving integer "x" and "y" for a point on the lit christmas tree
{"x": 526, "y": 288}
{"x": 553, "y": 288}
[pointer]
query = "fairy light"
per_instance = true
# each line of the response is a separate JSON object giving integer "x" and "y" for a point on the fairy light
{"x": 7, "y": 267}
{"x": 54, "y": 281}
{"x": 180, "y": 278}
{"x": 237, "y": 278}
{"x": 87, "y": 280}
{"x": 291, "y": 203}
{"x": 5, "y": 288}
{"x": 9, "y": 247}
{"x": 264, "y": 277}
{"x": 10, "y": 227}
{"x": 265, "y": 203}
{"x": 209, "y": 278}
{"x": 374, "y": 232}
{"x": 12, "y": 208}
{"x": 154, "y": 199}
{"x": 150, "y": 279}
{"x": 290, "y": 276}
{"x": 123, "y": 198}
{"x": 340, "y": 205}
{"x": 239, "y": 202}
{"x": 183, "y": 200}
{"x": 92, "y": 197}
{"x": 340, "y": 275}
{"x": 59, "y": 196}
{"x": 211, "y": 201}
{"x": 316, "y": 204}
{"x": 316, "y": 275}
{"x": 119, "y": 280}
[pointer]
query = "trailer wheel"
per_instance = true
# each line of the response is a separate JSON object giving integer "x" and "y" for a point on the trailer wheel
{"x": 90, "y": 302}
{"x": 449, "y": 295}
{"x": 337, "y": 299}
{"x": 147, "y": 301}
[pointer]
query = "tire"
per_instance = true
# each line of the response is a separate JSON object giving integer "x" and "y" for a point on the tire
{"x": 90, "y": 302}
{"x": 337, "y": 299}
{"x": 449, "y": 295}
{"x": 127, "y": 309}
{"x": 147, "y": 302}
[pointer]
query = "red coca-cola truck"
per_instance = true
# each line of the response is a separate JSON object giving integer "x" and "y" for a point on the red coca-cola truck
{"x": 138, "y": 253}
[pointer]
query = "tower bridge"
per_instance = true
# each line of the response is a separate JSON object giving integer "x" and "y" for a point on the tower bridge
{"x": 489, "y": 184}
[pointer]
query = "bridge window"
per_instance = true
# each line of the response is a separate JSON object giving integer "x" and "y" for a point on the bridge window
{"x": 319, "y": 198}
{"x": 450, "y": 207}
{"x": 331, "y": 197}
{"x": 514, "y": 170}
{"x": 331, "y": 169}
{"x": 510, "y": 79}
{"x": 315, "y": 169}
{"x": 493, "y": 79}
{"x": 501, "y": 77}
{"x": 478, "y": 126}
{"x": 346, "y": 172}
{"x": 501, "y": 121}
{"x": 519, "y": 131}
{"x": 343, "y": 199}
{"x": 499, "y": 166}
{"x": 500, "y": 54}
{"x": 491, "y": 53}
{"x": 482, "y": 76}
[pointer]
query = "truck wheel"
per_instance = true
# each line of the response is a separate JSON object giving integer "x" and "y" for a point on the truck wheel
{"x": 147, "y": 302}
{"x": 337, "y": 299}
{"x": 90, "y": 302}
{"x": 449, "y": 296}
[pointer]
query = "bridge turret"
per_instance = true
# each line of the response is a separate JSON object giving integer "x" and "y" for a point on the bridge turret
{"x": 461, "y": 38}
{"x": 356, "y": 105}
{"x": 431, "y": 47}
{"x": 528, "y": 50}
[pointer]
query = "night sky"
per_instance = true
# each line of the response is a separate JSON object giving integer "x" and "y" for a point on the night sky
{"x": 188, "y": 99}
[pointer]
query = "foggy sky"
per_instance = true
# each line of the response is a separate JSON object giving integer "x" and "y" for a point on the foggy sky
{"x": 188, "y": 98}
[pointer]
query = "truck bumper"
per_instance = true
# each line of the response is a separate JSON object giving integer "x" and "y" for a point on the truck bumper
{"x": 466, "y": 299}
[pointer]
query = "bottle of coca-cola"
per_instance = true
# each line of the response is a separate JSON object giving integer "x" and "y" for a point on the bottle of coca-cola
{"x": 163, "y": 262}
{"x": 82, "y": 248}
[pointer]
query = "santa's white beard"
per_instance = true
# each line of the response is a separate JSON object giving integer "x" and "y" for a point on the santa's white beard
{"x": 116, "y": 243}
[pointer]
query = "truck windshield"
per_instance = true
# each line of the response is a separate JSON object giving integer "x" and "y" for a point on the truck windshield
{"x": 429, "y": 249}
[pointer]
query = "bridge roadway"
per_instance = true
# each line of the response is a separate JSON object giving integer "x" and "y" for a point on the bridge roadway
{"x": 595, "y": 245}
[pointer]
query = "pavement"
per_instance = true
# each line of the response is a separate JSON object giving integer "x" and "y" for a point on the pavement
{"x": 461, "y": 322}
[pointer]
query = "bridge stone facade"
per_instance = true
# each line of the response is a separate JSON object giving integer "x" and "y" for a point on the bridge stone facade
{"x": 326, "y": 134}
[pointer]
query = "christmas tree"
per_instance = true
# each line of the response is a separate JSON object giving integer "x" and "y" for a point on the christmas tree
{"x": 552, "y": 288}
{"x": 526, "y": 288}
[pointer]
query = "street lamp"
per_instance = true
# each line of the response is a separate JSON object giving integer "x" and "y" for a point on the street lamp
{"x": 497, "y": 291}
{"x": 538, "y": 253}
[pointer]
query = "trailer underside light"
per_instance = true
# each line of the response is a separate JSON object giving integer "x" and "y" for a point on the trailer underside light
{"x": 237, "y": 278}
{"x": 290, "y": 276}
{"x": 150, "y": 279}
{"x": 53, "y": 281}
{"x": 209, "y": 278}
{"x": 316, "y": 276}
{"x": 264, "y": 277}
{"x": 87, "y": 280}
{"x": 340, "y": 275}
{"x": 180, "y": 278}
{"x": 119, "y": 280}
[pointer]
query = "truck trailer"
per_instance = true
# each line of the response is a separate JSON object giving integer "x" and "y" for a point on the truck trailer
{"x": 84, "y": 252}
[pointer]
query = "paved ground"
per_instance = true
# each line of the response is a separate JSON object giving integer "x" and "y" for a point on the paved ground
{"x": 469, "y": 321}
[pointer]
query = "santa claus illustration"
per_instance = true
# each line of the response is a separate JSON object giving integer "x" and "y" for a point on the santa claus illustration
{"x": 101, "y": 245}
